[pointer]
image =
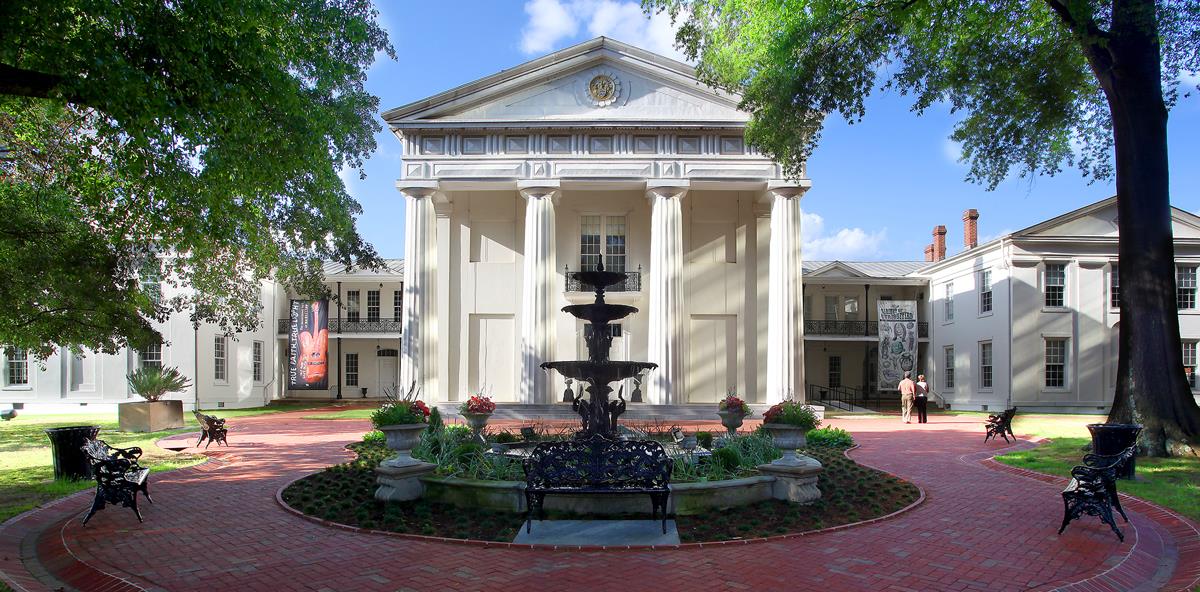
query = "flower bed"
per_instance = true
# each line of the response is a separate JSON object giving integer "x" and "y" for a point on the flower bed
{"x": 851, "y": 493}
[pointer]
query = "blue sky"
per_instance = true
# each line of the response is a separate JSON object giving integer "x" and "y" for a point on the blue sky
{"x": 879, "y": 186}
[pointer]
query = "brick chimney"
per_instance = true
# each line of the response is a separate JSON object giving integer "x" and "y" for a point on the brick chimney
{"x": 939, "y": 242}
{"x": 971, "y": 228}
{"x": 929, "y": 252}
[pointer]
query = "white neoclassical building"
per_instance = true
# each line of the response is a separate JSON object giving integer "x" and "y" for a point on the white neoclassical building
{"x": 601, "y": 151}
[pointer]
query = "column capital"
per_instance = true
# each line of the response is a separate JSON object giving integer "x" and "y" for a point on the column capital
{"x": 417, "y": 188}
{"x": 671, "y": 188}
{"x": 788, "y": 189}
{"x": 539, "y": 188}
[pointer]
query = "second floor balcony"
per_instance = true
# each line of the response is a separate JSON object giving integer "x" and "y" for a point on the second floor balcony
{"x": 853, "y": 328}
{"x": 632, "y": 283}
{"x": 352, "y": 326}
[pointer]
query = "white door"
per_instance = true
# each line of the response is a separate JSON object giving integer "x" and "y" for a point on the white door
{"x": 388, "y": 373}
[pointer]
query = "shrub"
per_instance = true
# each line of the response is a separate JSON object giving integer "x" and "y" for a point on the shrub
{"x": 401, "y": 410}
{"x": 792, "y": 413}
{"x": 477, "y": 404}
{"x": 152, "y": 383}
{"x": 435, "y": 420}
{"x": 830, "y": 436}
{"x": 727, "y": 458}
{"x": 733, "y": 402}
{"x": 374, "y": 437}
{"x": 506, "y": 437}
{"x": 704, "y": 439}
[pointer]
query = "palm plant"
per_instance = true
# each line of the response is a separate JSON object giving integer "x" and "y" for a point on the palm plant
{"x": 152, "y": 383}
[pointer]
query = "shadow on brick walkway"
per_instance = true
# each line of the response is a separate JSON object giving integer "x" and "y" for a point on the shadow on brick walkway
{"x": 983, "y": 526}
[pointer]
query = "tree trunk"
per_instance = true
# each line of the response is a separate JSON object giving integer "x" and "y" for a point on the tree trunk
{"x": 1151, "y": 384}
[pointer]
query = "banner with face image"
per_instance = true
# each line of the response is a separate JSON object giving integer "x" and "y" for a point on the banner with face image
{"x": 308, "y": 345}
{"x": 897, "y": 341}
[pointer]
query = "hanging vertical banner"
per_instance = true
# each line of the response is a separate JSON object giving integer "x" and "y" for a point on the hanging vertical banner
{"x": 308, "y": 345}
{"x": 897, "y": 341}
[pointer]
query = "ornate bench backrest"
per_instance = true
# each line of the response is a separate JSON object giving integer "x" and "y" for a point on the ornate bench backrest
{"x": 98, "y": 451}
{"x": 204, "y": 420}
{"x": 598, "y": 463}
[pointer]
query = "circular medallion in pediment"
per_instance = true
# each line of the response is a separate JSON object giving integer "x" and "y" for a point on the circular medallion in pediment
{"x": 604, "y": 89}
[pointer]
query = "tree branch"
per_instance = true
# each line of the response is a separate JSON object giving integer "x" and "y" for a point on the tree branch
{"x": 29, "y": 83}
{"x": 1092, "y": 39}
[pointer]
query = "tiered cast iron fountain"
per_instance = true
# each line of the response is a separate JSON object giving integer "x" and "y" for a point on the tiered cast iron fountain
{"x": 599, "y": 414}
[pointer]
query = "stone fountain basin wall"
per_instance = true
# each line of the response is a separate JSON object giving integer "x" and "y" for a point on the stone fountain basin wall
{"x": 686, "y": 498}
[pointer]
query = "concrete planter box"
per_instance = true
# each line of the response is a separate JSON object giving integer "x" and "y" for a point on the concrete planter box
{"x": 686, "y": 498}
{"x": 148, "y": 416}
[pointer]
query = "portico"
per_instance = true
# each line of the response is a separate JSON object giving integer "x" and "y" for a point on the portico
{"x": 599, "y": 152}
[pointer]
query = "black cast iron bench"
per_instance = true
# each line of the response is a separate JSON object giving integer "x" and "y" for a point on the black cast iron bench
{"x": 118, "y": 475}
{"x": 1000, "y": 425}
{"x": 212, "y": 428}
{"x": 1093, "y": 490}
{"x": 598, "y": 466}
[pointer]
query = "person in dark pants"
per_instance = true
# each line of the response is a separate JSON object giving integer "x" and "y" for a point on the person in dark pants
{"x": 922, "y": 400}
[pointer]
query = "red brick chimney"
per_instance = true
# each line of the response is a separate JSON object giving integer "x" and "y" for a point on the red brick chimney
{"x": 939, "y": 242}
{"x": 929, "y": 252}
{"x": 971, "y": 228}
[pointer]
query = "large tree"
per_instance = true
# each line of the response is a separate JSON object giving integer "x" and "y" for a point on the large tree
{"x": 1039, "y": 85}
{"x": 197, "y": 142}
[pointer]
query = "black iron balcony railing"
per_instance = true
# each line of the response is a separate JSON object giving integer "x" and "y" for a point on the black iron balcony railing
{"x": 632, "y": 283}
{"x": 359, "y": 326}
{"x": 850, "y": 328}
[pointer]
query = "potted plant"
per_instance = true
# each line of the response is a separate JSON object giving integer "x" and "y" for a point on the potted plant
{"x": 401, "y": 419}
{"x": 153, "y": 414}
{"x": 733, "y": 410}
{"x": 476, "y": 410}
{"x": 789, "y": 423}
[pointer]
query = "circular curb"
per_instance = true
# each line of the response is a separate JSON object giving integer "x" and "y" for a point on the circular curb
{"x": 538, "y": 547}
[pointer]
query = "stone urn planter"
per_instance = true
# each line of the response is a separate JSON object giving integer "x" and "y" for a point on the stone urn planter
{"x": 787, "y": 439}
{"x": 402, "y": 438}
{"x": 150, "y": 416}
{"x": 477, "y": 421}
{"x": 732, "y": 420}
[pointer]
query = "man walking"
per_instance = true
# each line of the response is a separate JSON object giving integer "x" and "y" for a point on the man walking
{"x": 908, "y": 393}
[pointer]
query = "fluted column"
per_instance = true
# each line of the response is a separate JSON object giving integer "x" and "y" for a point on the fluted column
{"x": 418, "y": 331}
{"x": 785, "y": 307}
{"x": 665, "y": 331}
{"x": 540, "y": 286}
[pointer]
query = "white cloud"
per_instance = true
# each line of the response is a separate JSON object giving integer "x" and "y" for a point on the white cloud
{"x": 952, "y": 150}
{"x": 549, "y": 22}
{"x": 845, "y": 244}
{"x": 552, "y": 21}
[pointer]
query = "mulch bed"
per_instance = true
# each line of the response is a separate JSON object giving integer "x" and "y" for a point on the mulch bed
{"x": 850, "y": 493}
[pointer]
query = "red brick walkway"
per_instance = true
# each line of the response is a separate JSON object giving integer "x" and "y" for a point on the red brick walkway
{"x": 217, "y": 526}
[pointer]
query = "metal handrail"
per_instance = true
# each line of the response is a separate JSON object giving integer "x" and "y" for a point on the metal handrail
{"x": 848, "y": 396}
{"x": 631, "y": 283}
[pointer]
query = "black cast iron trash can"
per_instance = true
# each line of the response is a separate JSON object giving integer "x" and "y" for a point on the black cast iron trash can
{"x": 70, "y": 461}
{"x": 1112, "y": 438}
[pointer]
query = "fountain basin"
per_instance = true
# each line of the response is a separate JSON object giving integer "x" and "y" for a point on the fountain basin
{"x": 599, "y": 313}
{"x": 599, "y": 372}
{"x": 599, "y": 278}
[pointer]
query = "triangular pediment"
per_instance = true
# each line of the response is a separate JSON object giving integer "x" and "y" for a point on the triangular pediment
{"x": 1100, "y": 220}
{"x": 836, "y": 269}
{"x": 597, "y": 81}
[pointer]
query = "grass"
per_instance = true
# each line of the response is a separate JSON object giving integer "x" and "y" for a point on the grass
{"x": 26, "y": 466}
{"x": 345, "y": 494}
{"x": 1170, "y": 482}
{"x": 344, "y": 414}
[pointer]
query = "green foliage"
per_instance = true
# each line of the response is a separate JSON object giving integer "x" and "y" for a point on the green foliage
{"x": 1015, "y": 71}
{"x": 727, "y": 458}
{"x": 792, "y": 413}
{"x": 152, "y": 383}
{"x": 374, "y": 437}
{"x": 830, "y": 436}
{"x": 435, "y": 420}
{"x": 176, "y": 143}
{"x": 704, "y": 439}
{"x": 506, "y": 437}
{"x": 397, "y": 415}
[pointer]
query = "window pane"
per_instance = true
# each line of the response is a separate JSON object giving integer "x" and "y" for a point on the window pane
{"x": 1056, "y": 283}
{"x": 615, "y": 243}
{"x": 831, "y": 306}
{"x": 985, "y": 291}
{"x": 949, "y": 373}
{"x": 1114, "y": 287}
{"x": 258, "y": 361}
{"x": 985, "y": 365}
{"x": 835, "y": 371}
{"x": 219, "y": 358}
{"x": 373, "y": 305}
{"x": 949, "y": 302}
{"x": 352, "y": 313}
{"x": 397, "y": 305}
{"x": 151, "y": 357}
{"x": 1056, "y": 363}
{"x": 351, "y": 369}
{"x": 589, "y": 242}
{"x": 1185, "y": 282}
{"x": 17, "y": 366}
{"x": 1189, "y": 362}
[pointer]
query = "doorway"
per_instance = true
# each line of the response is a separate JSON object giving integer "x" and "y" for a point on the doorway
{"x": 389, "y": 370}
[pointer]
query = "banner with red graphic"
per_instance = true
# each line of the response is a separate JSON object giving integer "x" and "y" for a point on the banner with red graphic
{"x": 308, "y": 345}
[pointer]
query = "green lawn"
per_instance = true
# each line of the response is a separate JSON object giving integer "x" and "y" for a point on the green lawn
{"x": 345, "y": 414}
{"x": 1170, "y": 482}
{"x": 26, "y": 469}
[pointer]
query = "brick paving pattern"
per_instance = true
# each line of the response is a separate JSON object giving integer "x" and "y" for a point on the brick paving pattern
{"x": 983, "y": 526}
